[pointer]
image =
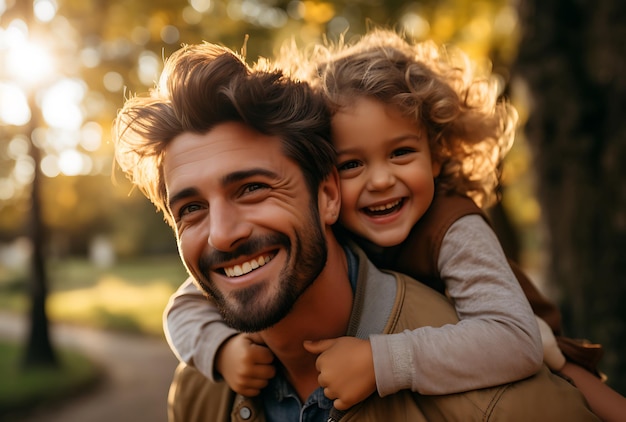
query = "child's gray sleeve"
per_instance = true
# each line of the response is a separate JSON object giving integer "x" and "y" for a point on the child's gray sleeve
{"x": 497, "y": 339}
{"x": 194, "y": 329}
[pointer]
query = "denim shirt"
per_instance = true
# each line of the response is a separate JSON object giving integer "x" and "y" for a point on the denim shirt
{"x": 281, "y": 402}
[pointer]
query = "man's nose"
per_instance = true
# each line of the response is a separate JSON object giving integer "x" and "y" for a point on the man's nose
{"x": 227, "y": 226}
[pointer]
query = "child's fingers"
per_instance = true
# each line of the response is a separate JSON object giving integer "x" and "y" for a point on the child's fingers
{"x": 319, "y": 346}
{"x": 263, "y": 372}
{"x": 261, "y": 354}
{"x": 341, "y": 405}
{"x": 255, "y": 338}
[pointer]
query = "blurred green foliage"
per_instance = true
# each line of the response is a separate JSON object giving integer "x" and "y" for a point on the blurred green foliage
{"x": 129, "y": 296}
{"x": 23, "y": 390}
{"x": 116, "y": 48}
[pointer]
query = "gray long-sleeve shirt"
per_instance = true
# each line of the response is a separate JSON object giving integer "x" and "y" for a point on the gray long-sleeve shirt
{"x": 496, "y": 341}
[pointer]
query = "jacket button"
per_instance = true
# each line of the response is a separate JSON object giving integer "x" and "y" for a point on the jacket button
{"x": 245, "y": 413}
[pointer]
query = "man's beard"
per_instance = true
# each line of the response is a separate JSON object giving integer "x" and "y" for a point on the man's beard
{"x": 243, "y": 309}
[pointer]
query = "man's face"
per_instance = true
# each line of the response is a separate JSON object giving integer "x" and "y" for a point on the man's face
{"x": 246, "y": 225}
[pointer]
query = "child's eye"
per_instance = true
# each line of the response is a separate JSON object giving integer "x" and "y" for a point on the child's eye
{"x": 402, "y": 151}
{"x": 348, "y": 165}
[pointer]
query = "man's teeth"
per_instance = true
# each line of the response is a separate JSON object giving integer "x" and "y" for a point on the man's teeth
{"x": 383, "y": 207}
{"x": 246, "y": 267}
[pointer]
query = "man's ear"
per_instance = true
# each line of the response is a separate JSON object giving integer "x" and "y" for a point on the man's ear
{"x": 329, "y": 198}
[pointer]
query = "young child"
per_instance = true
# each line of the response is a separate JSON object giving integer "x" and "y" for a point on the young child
{"x": 416, "y": 137}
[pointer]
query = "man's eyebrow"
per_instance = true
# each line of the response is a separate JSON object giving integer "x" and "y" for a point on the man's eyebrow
{"x": 240, "y": 175}
{"x": 230, "y": 178}
{"x": 179, "y": 196}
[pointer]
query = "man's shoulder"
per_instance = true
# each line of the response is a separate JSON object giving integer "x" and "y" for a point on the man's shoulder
{"x": 388, "y": 301}
{"x": 418, "y": 305}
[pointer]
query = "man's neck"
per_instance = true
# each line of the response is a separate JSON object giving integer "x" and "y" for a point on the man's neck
{"x": 322, "y": 312}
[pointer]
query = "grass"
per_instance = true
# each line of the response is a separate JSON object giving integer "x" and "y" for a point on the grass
{"x": 22, "y": 389}
{"x": 129, "y": 296}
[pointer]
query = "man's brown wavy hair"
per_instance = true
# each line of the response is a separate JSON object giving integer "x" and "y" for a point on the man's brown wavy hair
{"x": 204, "y": 85}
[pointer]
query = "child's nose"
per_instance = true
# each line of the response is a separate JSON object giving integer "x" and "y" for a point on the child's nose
{"x": 381, "y": 178}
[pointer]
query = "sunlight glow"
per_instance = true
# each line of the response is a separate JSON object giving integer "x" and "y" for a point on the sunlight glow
{"x": 26, "y": 62}
{"x": 415, "y": 25}
{"x": 201, "y": 6}
{"x": 149, "y": 66}
{"x": 18, "y": 147}
{"x": 61, "y": 104}
{"x": 50, "y": 165}
{"x": 24, "y": 170}
{"x": 14, "y": 108}
{"x": 113, "y": 81}
{"x": 90, "y": 57}
{"x": 72, "y": 162}
{"x": 7, "y": 189}
{"x": 170, "y": 34}
{"x": 45, "y": 10}
{"x": 91, "y": 136}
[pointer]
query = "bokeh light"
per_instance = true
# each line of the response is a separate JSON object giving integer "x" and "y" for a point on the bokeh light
{"x": 26, "y": 62}
{"x": 45, "y": 10}
{"x": 14, "y": 108}
{"x": 61, "y": 104}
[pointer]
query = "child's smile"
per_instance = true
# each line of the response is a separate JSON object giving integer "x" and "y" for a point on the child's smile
{"x": 386, "y": 170}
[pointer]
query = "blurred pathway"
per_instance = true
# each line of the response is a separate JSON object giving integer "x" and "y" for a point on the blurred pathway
{"x": 138, "y": 373}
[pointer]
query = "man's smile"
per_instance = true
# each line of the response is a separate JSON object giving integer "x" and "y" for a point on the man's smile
{"x": 246, "y": 267}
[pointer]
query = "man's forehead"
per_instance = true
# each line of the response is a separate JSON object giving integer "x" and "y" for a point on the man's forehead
{"x": 222, "y": 155}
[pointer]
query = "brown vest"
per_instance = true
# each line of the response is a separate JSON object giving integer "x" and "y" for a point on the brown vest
{"x": 418, "y": 256}
{"x": 541, "y": 397}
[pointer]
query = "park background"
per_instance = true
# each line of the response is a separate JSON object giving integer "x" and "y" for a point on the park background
{"x": 78, "y": 245}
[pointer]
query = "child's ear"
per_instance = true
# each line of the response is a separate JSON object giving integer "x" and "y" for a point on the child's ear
{"x": 436, "y": 166}
{"x": 329, "y": 198}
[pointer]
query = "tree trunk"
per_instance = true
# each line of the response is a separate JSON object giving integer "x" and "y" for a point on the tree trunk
{"x": 572, "y": 57}
{"x": 39, "y": 351}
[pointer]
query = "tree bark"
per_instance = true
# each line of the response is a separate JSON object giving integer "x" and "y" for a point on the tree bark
{"x": 39, "y": 350}
{"x": 572, "y": 57}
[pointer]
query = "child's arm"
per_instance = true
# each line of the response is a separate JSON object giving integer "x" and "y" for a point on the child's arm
{"x": 194, "y": 329}
{"x": 605, "y": 402}
{"x": 198, "y": 336}
{"x": 497, "y": 340}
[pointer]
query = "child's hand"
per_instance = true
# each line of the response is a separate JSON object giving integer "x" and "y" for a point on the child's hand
{"x": 246, "y": 364}
{"x": 346, "y": 369}
{"x": 552, "y": 355}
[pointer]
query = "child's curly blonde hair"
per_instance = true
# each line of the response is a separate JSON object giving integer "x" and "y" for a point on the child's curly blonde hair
{"x": 469, "y": 129}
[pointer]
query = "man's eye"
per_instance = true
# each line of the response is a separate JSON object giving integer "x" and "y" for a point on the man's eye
{"x": 188, "y": 209}
{"x": 348, "y": 165}
{"x": 253, "y": 187}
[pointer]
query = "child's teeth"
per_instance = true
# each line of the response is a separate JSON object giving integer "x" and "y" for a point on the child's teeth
{"x": 385, "y": 207}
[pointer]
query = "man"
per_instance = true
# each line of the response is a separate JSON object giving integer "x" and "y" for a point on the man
{"x": 239, "y": 161}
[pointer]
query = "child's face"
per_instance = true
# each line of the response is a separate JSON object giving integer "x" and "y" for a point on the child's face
{"x": 386, "y": 171}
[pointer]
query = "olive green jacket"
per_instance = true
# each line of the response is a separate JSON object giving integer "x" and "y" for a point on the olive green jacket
{"x": 387, "y": 302}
